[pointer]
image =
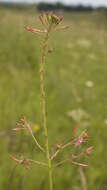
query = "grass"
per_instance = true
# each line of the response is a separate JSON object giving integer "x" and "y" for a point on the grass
{"x": 80, "y": 56}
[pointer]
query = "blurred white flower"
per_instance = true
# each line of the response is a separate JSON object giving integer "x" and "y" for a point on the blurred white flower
{"x": 92, "y": 56}
{"x": 105, "y": 121}
{"x": 78, "y": 115}
{"x": 89, "y": 84}
{"x": 84, "y": 43}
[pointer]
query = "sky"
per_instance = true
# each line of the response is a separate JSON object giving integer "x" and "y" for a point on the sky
{"x": 74, "y": 2}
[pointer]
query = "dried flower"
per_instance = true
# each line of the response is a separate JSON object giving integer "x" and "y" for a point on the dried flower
{"x": 24, "y": 162}
{"x": 23, "y": 125}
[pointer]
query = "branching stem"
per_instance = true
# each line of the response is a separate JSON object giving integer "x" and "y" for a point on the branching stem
{"x": 63, "y": 147}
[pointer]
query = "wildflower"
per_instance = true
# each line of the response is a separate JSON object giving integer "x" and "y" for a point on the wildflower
{"x": 23, "y": 125}
{"x": 82, "y": 139}
{"x": 105, "y": 121}
{"x": 36, "y": 127}
{"x": 84, "y": 43}
{"x": 49, "y": 21}
{"x": 89, "y": 84}
{"x": 24, "y": 162}
{"x": 78, "y": 115}
{"x": 20, "y": 125}
{"x": 79, "y": 141}
{"x": 55, "y": 19}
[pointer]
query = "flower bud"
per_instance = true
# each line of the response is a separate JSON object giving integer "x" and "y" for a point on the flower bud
{"x": 37, "y": 31}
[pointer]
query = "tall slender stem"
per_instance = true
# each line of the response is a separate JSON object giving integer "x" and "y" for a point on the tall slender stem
{"x": 43, "y": 102}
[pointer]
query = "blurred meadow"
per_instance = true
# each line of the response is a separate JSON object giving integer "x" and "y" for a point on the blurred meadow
{"x": 76, "y": 93}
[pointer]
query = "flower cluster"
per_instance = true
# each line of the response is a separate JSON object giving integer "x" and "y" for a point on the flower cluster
{"x": 78, "y": 140}
{"x": 24, "y": 162}
{"x": 23, "y": 125}
{"x": 50, "y": 21}
{"x": 50, "y": 18}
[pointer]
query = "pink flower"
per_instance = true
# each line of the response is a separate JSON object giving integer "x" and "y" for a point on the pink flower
{"x": 79, "y": 141}
{"x": 56, "y": 19}
{"x": 82, "y": 138}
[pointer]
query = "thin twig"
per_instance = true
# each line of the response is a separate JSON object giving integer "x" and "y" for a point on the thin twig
{"x": 39, "y": 163}
{"x": 83, "y": 179}
{"x": 55, "y": 154}
{"x": 60, "y": 163}
{"x": 39, "y": 146}
{"x": 63, "y": 147}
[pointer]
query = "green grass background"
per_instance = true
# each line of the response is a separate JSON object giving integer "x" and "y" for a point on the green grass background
{"x": 80, "y": 55}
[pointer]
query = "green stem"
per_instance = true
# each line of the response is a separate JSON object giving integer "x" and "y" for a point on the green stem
{"x": 43, "y": 102}
{"x": 63, "y": 147}
{"x": 60, "y": 163}
{"x": 39, "y": 146}
{"x": 39, "y": 163}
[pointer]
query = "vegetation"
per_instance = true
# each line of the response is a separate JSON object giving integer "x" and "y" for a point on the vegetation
{"x": 61, "y": 7}
{"x": 76, "y": 87}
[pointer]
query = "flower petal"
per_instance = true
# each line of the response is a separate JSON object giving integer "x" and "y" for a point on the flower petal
{"x": 15, "y": 159}
{"x": 37, "y": 31}
{"x": 88, "y": 150}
